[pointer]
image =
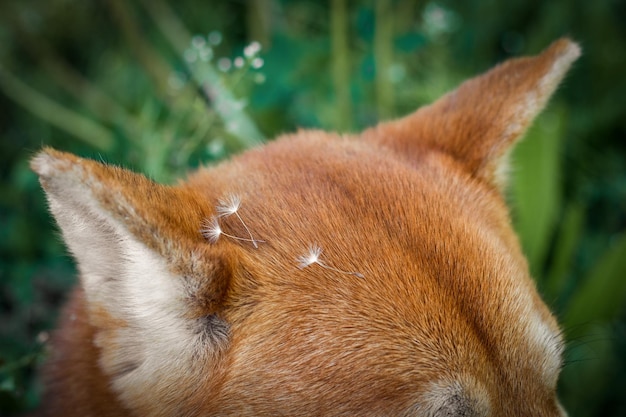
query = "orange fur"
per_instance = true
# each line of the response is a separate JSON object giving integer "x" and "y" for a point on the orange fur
{"x": 440, "y": 318}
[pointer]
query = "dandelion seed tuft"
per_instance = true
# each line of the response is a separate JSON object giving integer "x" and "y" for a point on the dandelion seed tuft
{"x": 212, "y": 230}
{"x": 313, "y": 257}
{"x": 228, "y": 205}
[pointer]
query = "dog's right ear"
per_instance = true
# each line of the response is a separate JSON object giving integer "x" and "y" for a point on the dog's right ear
{"x": 154, "y": 287}
{"x": 478, "y": 123}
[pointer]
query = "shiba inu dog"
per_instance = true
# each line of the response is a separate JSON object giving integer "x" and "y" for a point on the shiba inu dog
{"x": 320, "y": 274}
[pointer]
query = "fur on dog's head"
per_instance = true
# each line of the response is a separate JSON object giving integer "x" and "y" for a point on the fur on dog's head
{"x": 320, "y": 274}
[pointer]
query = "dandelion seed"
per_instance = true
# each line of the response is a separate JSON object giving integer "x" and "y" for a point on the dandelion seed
{"x": 212, "y": 232}
{"x": 230, "y": 206}
{"x": 313, "y": 257}
{"x": 239, "y": 62}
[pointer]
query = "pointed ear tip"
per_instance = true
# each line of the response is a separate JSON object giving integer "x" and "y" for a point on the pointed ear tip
{"x": 565, "y": 50}
{"x": 49, "y": 160}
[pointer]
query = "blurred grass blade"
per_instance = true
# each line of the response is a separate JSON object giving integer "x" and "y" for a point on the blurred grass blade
{"x": 602, "y": 294}
{"x": 79, "y": 126}
{"x": 258, "y": 19}
{"x": 341, "y": 64}
{"x": 383, "y": 56}
{"x": 57, "y": 68}
{"x": 566, "y": 243}
{"x": 588, "y": 360}
{"x": 535, "y": 187}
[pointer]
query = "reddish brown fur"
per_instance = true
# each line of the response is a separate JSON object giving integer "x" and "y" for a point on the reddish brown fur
{"x": 413, "y": 205}
{"x": 72, "y": 349}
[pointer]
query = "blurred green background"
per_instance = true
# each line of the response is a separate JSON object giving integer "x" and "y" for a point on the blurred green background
{"x": 162, "y": 87}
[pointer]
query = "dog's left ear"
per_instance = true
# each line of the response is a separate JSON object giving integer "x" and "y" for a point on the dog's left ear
{"x": 478, "y": 123}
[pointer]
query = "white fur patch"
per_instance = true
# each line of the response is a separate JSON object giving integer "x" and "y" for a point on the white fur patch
{"x": 548, "y": 344}
{"x": 461, "y": 397}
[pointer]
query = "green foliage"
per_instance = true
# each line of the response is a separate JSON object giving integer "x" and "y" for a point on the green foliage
{"x": 163, "y": 87}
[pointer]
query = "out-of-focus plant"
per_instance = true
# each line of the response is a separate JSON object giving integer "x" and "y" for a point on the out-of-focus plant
{"x": 193, "y": 113}
{"x": 148, "y": 93}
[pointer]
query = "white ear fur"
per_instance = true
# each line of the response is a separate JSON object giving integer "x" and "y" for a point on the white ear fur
{"x": 137, "y": 304}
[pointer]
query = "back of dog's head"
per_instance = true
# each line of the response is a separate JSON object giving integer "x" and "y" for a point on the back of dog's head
{"x": 374, "y": 274}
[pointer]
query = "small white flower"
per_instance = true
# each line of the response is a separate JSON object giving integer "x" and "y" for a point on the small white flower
{"x": 252, "y": 49}
{"x": 257, "y": 63}
{"x": 224, "y": 64}
{"x": 215, "y": 38}
{"x": 198, "y": 41}
{"x": 206, "y": 54}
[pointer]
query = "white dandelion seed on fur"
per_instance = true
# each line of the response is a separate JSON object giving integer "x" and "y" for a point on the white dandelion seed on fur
{"x": 212, "y": 232}
{"x": 229, "y": 206}
{"x": 313, "y": 257}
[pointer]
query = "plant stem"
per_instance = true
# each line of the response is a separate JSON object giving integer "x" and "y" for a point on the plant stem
{"x": 341, "y": 63}
{"x": 383, "y": 55}
{"x": 258, "y": 19}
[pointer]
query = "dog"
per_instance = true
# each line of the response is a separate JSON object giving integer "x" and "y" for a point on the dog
{"x": 319, "y": 274}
